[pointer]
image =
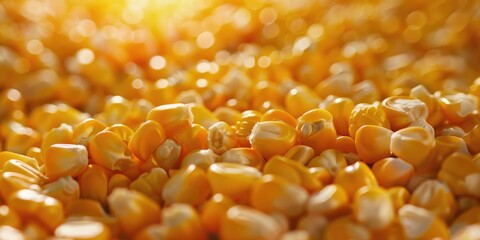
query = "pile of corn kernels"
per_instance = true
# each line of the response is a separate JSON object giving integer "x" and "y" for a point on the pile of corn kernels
{"x": 239, "y": 119}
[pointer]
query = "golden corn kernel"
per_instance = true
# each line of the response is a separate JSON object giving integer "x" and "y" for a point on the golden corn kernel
{"x": 468, "y": 232}
{"x": 94, "y": 184}
{"x": 412, "y": 144}
{"x": 366, "y": 114}
{"x": 84, "y": 132}
{"x": 64, "y": 189}
{"x": 457, "y": 106}
{"x": 345, "y": 144}
{"x": 365, "y": 92}
{"x": 316, "y": 130}
{"x": 193, "y": 137}
{"x": 228, "y": 115}
{"x": 182, "y": 222}
{"x": 6, "y": 156}
{"x": 8, "y": 232}
{"x": 331, "y": 201}
{"x": 36, "y": 153}
{"x": 151, "y": 183}
{"x": 321, "y": 174}
{"x": 85, "y": 207}
{"x": 272, "y": 138}
{"x": 373, "y": 207}
{"x": 133, "y": 210}
{"x": 232, "y": 180}
{"x": 456, "y": 170}
{"x": 20, "y": 167}
{"x": 8, "y": 217}
{"x": 29, "y": 203}
{"x": 399, "y": 195}
{"x": 300, "y": 153}
{"x": 313, "y": 224}
{"x": 201, "y": 158}
{"x": 65, "y": 159}
{"x": 279, "y": 115}
{"x": 330, "y": 159}
{"x": 167, "y": 155}
{"x": 337, "y": 85}
{"x": 435, "y": 116}
{"x": 244, "y": 156}
{"x": 242, "y": 222}
{"x": 472, "y": 138}
{"x": 12, "y": 182}
{"x": 436, "y": 197}
{"x": 340, "y": 108}
{"x": 172, "y": 117}
{"x": 243, "y": 127}
{"x": 292, "y": 171}
{"x": 392, "y": 172}
{"x": 373, "y": 143}
{"x": 152, "y": 232}
{"x": 122, "y": 130}
{"x": 221, "y": 137}
{"x": 419, "y": 223}
{"x": 189, "y": 185}
{"x": 403, "y": 111}
{"x": 203, "y": 116}
{"x": 21, "y": 138}
{"x": 275, "y": 194}
{"x": 148, "y": 136}
{"x": 108, "y": 150}
{"x": 444, "y": 147}
{"x": 354, "y": 177}
{"x": 50, "y": 116}
{"x": 470, "y": 216}
{"x": 62, "y": 134}
{"x": 138, "y": 112}
{"x": 35, "y": 231}
{"x": 214, "y": 210}
{"x": 300, "y": 100}
{"x": 83, "y": 229}
{"x": 346, "y": 228}
{"x": 118, "y": 180}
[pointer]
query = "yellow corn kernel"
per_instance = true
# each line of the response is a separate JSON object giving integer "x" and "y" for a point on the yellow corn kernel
{"x": 243, "y": 127}
{"x": 399, "y": 195}
{"x": 272, "y": 138}
{"x": 183, "y": 222}
{"x": 189, "y": 185}
{"x": 402, "y": 111}
{"x": 8, "y": 217}
{"x": 346, "y": 228}
{"x": 151, "y": 183}
{"x": 62, "y": 134}
{"x": 366, "y": 114}
{"x": 29, "y": 203}
{"x": 436, "y": 197}
{"x": 193, "y": 137}
{"x": 133, "y": 210}
{"x": 316, "y": 130}
{"x": 232, "y": 180}
{"x": 373, "y": 143}
{"x": 470, "y": 216}
{"x": 228, "y": 115}
{"x": 86, "y": 130}
{"x": 83, "y": 229}
{"x": 167, "y": 155}
{"x": 373, "y": 207}
{"x": 292, "y": 171}
{"x": 435, "y": 116}
{"x": 12, "y": 182}
{"x": 392, "y": 172}
{"x": 201, "y": 158}
{"x": 279, "y": 115}
{"x": 345, "y": 144}
{"x": 108, "y": 150}
{"x": 35, "y": 231}
{"x": 444, "y": 147}
{"x": 472, "y": 139}
{"x": 456, "y": 106}
{"x": 124, "y": 131}
{"x": 152, "y": 232}
{"x": 138, "y": 112}
{"x": 85, "y": 207}
{"x": 214, "y": 210}
{"x": 21, "y": 138}
{"x": 65, "y": 159}
{"x": 242, "y": 222}
{"x": 161, "y": 92}
{"x": 10, "y": 100}
{"x": 354, "y": 177}
{"x": 8, "y": 232}
{"x": 203, "y": 116}
{"x": 116, "y": 109}
{"x": 331, "y": 201}
{"x": 340, "y": 108}
{"x": 93, "y": 184}
{"x": 50, "y": 116}
{"x": 330, "y": 159}
{"x": 221, "y": 137}
{"x": 64, "y": 189}
{"x": 412, "y": 144}
{"x": 321, "y": 174}
{"x": 148, "y": 136}
{"x": 419, "y": 223}
{"x": 172, "y": 117}
{"x": 36, "y": 153}
{"x": 456, "y": 171}
{"x": 300, "y": 100}
{"x": 20, "y": 167}
{"x": 313, "y": 224}
{"x": 118, "y": 180}
{"x": 468, "y": 233}
{"x": 244, "y": 156}
{"x": 6, "y": 155}
{"x": 300, "y": 153}
{"x": 266, "y": 91}
{"x": 272, "y": 194}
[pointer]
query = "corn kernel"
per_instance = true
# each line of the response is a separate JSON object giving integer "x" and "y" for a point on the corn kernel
{"x": 469, "y": 217}
{"x": 203, "y": 116}
{"x": 122, "y": 130}
{"x": 148, "y": 136}
{"x": 272, "y": 138}
{"x": 167, "y": 155}
{"x": 472, "y": 138}
{"x": 412, "y": 144}
{"x": 279, "y": 115}
{"x": 6, "y": 156}
{"x": 85, "y": 207}
{"x": 108, "y": 150}
{"x": 345, "y": 144}
{"x": 403, "y": 111}
{"x": 346, "y": 228}
{"x": 8, "y": 232}
{"x": 118, "y": 180}
{"x": 151, "y": 183}
{"x": 214, "y": 210}
{"x": 189, "y": 185}
{"x": 354, "y": 177}
{"x": 300, "y": 153}
{"x": 292, "y": 171}
{"x": 243, "y": 127}
{"x": 455, "y": 171}
{"x": 182, "y": 222}
{"x": 373, "y": 143}
{"x": 12, "y": 182}
{"x": 331, "y": 201}
{"x": 20, "y": 167}
{"x": 340, "y": 108}
{"x": 321, "y": 174}
{"x": 456, "y": 106}
{"x": 399, "y": 195}
{"x": 84, "y": 132}
{"x": 244, "y": 156}
{"x": 330, "y": 159}
{"x": 419, "y": 223}
{"x": 469, "y": 232}
{"x": 172, "y": 117}
{"x": 436, "y": 197}
{"x": 83, "y": 230}
{"x": 221, "y": 137}
{"x": 373, "y": 207}
{"x": 62, "y": 134}
{"x": 392, "y": 172}
{"x": 316, "y": 130}
{"x": 228, "y": 115}
{"x": 313, "y": 224}
{"x": 64, "y": 189}
{"x": 366, "y": 114}
{"x": 65, "y": 159}
{"x": 93, "y": 184}
{"x": 300, "y": 100}
{"x": 193, "y": 137}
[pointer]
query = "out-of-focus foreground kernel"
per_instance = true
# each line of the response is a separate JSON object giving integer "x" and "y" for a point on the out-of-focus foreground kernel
{"x": 184, "y": 119}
